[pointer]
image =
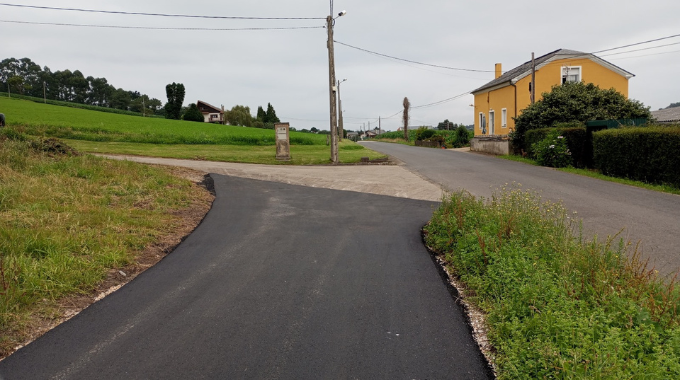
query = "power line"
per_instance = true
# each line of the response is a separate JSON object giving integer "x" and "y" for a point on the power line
{"x": 648, "y": 55}
{"x": 636, "y": 44}
{"x": 154, "y": 28}
{"x": 632, "y": 51}
{"x": 410, "y": 61}
{"x": 160, "y": 14}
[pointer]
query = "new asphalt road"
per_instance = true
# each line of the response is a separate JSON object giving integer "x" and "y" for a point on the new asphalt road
{"x": 650, "y": 217}
{"x": 278, "y": 282}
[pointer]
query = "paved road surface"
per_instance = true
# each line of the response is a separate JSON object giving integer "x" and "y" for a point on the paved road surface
{"x": 279, "y": 281}
{"x": 606, "y": 207}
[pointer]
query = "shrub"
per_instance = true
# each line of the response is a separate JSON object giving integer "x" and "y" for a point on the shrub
{"x": 462, "y": 136}
{"x": 578, "y": 102}
{"x": 553, "y": 151}
{"x": 647, "y": 154}
{"x": 194, "y": 114}
{"x": 423, "y": 133}
{"x": 578, "y": 142}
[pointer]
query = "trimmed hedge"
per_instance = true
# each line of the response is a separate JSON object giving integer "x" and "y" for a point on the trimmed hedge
{"x": 646, "y": 154}
{"x": 577, "y": 141}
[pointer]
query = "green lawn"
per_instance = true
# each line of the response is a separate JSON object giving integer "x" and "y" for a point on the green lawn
{"x": 348, "y": 152}
{"x": 99, "y": 132}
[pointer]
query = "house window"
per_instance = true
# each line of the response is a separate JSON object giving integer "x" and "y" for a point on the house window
{"x": 504, "y": 118}
{"x": 482, "y": 122}
{"x": 571, "y": 74}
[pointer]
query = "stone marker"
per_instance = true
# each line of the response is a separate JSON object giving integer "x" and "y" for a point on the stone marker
{"x": 282, "y": 141}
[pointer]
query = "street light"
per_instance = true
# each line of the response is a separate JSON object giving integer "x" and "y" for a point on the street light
{"x": 330, "y": 21}
{"x": 341, "y": 126}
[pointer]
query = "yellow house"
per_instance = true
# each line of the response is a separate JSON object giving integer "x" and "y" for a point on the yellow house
{"x": 502, "y": 99}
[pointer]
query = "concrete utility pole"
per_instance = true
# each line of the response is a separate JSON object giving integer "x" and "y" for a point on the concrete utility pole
{"x": 44, "y": 93}
{"x": 533, "y": 79}
{"x": 341, "y": 127}
{"x": 333, "y": 88}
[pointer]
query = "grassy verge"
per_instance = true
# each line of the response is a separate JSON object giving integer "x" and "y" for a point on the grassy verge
{"x": 66, "y": 220}
{"x": 348, "y": 152}
{"x": 595, "y": 174}
{"x": 557, "y": 306}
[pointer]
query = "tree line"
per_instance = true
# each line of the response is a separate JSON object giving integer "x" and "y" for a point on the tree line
{"x": 25, "y": 77}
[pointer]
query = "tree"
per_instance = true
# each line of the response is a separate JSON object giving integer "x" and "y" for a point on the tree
{"x": 175, "y": 93}
{"x": 405, "y": 117}
{"x": 673, "y": 105}
{"x": 261, "y": 114}
{"x": 446, "y": 125}
{"x": 194, "y": 114}
{"x": 314, "y": 130}
{"x": 578, "y": 102}
{"x": 271, "y": 115}
{"x": 239, "y": 115}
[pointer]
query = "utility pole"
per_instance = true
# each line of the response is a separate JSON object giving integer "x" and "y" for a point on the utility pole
{"x": 379, "y": 125}
{"x": 341, "y": 126}
{"x": 331, "y": 77}
{"x": 533, "y": 79}
{"x": 44, "y": 93}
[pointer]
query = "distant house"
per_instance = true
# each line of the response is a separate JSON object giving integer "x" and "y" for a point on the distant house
{"x": 211, "y": 114}
{"x": 667, "y": 115}
{"x": 502, "y": 99}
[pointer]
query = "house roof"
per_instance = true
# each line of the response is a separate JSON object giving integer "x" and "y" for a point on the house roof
{"x": 667, "y": 115}
{"x": 515, "y": 75}
{"x": 207, "y": 105}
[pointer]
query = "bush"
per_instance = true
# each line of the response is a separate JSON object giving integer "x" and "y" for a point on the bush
{"x": 578, "y": 142}
{"x": 646, "y": 154}
{"x": 552, "y": 151}
{"x": 578, "y": 102}
{"x": 194, "y": 114}
{"x": 423, "y": 134}
{"x": 462, "y": 136}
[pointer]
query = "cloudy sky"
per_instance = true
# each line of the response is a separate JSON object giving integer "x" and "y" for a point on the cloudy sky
{"x": 289, "y": 68}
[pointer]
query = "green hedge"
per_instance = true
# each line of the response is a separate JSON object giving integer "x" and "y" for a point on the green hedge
{"x": 577, "y": 141}
{"x": 647, "y": 154}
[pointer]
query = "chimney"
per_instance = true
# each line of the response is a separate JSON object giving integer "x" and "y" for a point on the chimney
{"x": 499, "y": 70}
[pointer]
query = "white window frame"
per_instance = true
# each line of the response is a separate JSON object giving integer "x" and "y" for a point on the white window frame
{"x": 492, "y": 122}
{"x": 580, "y": 73}
{"x": 504, "y": 118}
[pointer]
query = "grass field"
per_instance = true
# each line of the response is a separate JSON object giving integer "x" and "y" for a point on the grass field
{"x": 99, "y": 132}
{"x": 348, "y": 152}
{"x": 66, "y": 220}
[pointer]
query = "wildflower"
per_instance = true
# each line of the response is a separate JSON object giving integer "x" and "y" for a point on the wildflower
{"x": 560, "y": 137}
{"x": 552, "y": 146}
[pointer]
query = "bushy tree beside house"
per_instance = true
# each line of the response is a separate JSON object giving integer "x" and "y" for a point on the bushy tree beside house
{"x": 239, "y": 115}
{"x": 576, "y": 102}
{"x": 193, "y": 114}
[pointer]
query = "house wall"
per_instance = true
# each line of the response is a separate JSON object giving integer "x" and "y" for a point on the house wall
{"x": 546, "y": 77}
{"x": 495, "y": 101}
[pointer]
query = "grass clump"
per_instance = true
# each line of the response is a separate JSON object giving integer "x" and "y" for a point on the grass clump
{"x": 557, "y": 306}
{"x": 66, "y": 219}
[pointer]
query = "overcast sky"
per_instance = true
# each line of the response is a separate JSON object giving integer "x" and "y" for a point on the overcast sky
{"x": 289, "y": 68}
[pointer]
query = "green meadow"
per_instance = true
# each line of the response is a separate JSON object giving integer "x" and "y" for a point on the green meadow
{"x": 100, "y": 132}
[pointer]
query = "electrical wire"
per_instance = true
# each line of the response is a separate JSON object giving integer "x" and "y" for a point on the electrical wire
{"x": 160, "y": 14}
{"x": 636, "y": 44}
{"x": 410, "y": 61}
{"x": 632, "y": 51}
{"x": 155, "y": 28}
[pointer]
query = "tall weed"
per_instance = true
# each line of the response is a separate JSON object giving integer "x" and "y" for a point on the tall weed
{"x": 558, "y": 306}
